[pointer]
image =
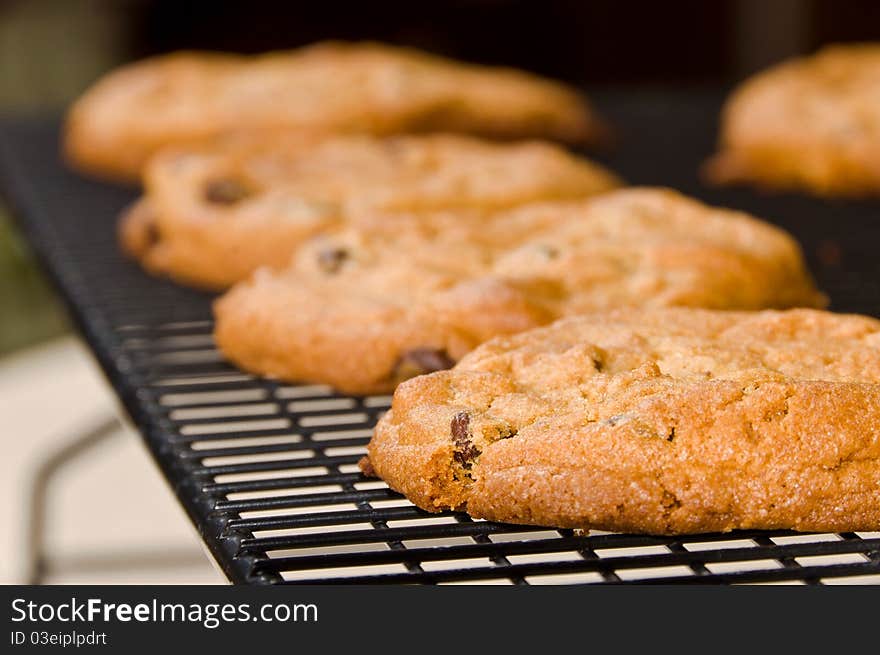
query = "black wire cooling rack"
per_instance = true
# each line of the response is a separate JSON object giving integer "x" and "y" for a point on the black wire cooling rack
{"x": 267, "y": 472}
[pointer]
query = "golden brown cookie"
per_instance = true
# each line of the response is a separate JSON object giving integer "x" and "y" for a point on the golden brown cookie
{"x": 353, "y": 87}
{"x": 662, "y": 421}
{"x": 810, "y": 124}
{"x": 365, "y": 308}
{"x": 215, "y": 213}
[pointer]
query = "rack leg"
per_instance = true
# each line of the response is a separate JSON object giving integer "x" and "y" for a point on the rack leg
{"x": 35, "y": 547}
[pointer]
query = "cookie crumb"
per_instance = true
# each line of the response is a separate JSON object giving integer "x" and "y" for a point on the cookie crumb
{"x": 366, "y": 467}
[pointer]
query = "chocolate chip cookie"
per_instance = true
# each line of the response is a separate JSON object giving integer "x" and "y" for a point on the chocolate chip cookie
{"x": 330, "y": 87}
{"x": 662, "y": 421}
{"x": 810, "y": 124}
{"x": 213, "y": 214}
{"x": 364, "y": 309}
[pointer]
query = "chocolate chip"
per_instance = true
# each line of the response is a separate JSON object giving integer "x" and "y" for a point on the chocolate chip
{"x": 226, "y": 191}
{"x": 429, "y": 359}
{"x": 419, "y": 361}
{"x": 330, "y": 260}
{"x": 459, "y": 427}
{"x": 549, "y": 252}
{"x": 465, "y": 450}
{"x": 151, "y": 234}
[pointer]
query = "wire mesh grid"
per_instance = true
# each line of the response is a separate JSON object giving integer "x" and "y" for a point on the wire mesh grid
{"x": 277, "y": 464}
{"x": 268, "y": 471}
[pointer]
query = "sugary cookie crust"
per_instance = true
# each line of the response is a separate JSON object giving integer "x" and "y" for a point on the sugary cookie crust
{"x": 355, "y": 305}
{"x": 662, "y": 421}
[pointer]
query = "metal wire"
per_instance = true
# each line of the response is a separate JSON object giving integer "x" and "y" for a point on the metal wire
{"x": 267, "y": 472}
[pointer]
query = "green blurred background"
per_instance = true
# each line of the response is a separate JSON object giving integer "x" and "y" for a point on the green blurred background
{"x": 49, "y": 51}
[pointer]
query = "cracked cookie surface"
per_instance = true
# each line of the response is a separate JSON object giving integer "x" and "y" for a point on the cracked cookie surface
{"x": 809, "y": 124}
{"x": 213, "y": 214}
{"x": 185, "y": 97}
{"x": 661, "y": 421}
{"x": 363, "y": 310}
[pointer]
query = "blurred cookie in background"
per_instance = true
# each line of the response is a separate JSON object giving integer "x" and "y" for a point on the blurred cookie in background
{"x": 367, "y": 87}
{"x": 810, "y": 124}
{"x": 211, "y": 215}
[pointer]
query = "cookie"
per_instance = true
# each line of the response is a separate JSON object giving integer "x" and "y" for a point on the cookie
{"x": 330, "y": 87}
{"x": 363, "y": 310}
{"x": 660, "y": 421}
{"x": 218, "y": 212}
{"x": 810, "y": 124}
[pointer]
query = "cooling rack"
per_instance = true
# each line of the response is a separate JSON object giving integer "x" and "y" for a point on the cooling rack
{"x": 267, "y": 472}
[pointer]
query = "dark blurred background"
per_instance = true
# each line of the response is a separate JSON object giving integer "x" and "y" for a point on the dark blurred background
{"x": 50, "y": 50}
{"x": 589, "y": 42}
